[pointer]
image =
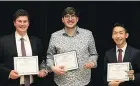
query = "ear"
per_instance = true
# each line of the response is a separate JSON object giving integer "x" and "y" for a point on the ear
{"x": 62, "y": 19}
{"x": 14, "y": 23}
{"x": 127, "y": 35}
{"x": 77, "y": 19}
{"x": 28, "y": 23}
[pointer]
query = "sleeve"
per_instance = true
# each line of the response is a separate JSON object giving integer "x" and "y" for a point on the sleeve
{"x": 4, "y": 71}
{"x": 105, "y": 71}
{"x": 92, "y": 49}
{"x": 41, "y": 55}
{"x": 137, "y": 69}
{"x": 50, "y": 52}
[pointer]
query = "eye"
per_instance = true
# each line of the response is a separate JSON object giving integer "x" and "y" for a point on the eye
{"x": 73, "y": 16}
{"x": 25, "y": 21}
{"x": 121, "y": 32}
{"x": 67, "y": 16}
{"x": 19, "y": 21}
{"x": 114, "y": 33}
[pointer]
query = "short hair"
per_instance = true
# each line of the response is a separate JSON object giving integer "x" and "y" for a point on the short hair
{"x": 20, "y": 12}
{"x": 119, "y": 25}
{"x": 70, "y": 10}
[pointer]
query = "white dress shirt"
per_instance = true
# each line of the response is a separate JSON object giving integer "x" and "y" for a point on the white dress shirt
{"x": 28, "y": 50}
{"x": 123, "y": 51}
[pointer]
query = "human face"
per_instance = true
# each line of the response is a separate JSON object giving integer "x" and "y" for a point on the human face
{"x": 119, "y": 36}
{"x": 70, "y": 21}
{"x": 21, "y": 24}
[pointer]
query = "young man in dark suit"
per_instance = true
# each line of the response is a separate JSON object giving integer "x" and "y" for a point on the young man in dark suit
{"x": 11, "y": 46}
{"x": 128, "y": 54}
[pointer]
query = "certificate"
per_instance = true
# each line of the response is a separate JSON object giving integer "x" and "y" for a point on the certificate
{"x": 118, "y": 71}
{"x": 26, "y": 65}
{"x": 68, "y": 60}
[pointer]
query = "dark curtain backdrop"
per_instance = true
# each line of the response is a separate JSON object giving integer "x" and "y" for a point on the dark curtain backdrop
{"x": 95, "y": 16}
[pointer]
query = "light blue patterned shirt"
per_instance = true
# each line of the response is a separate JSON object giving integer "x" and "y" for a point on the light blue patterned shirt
{"x": 83, "y": 42}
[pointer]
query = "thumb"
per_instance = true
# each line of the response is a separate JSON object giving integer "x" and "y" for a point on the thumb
{"x": 62, "y": 66}
{"x": 15, "y": 71}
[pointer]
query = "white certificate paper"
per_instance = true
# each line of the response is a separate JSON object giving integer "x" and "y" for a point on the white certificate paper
{"x": 26, "y": 65}
{"x": 118, "y": 71}
{"x": 68, "y": 59}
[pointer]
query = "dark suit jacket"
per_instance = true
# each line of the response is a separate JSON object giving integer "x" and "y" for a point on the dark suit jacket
{"x": 131, "y": 55}
{"x": 8, "y": 51}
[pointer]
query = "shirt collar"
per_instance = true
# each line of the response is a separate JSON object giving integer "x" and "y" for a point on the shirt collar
{"x": 123, "y": 48}
{"x": 18, "y": 37}
{"x": 64, "y": 33}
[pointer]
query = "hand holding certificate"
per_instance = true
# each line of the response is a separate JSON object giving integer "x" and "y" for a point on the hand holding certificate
{"x": 26, "y": 65}
{"x": 118, "y": 71}
{"x": 68, "y": 60}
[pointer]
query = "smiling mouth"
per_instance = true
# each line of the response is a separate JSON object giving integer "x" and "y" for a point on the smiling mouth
{"x": 70, "y": 23}
{"x": 22, "y": 27}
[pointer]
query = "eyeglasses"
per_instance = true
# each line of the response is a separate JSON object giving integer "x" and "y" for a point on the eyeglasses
{"x": 70, "y": 16}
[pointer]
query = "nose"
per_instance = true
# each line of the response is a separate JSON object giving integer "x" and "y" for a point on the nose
{"x": 118, "y": 35}
{"x": 22, "y": 23}
{"x": 70, "y": 18}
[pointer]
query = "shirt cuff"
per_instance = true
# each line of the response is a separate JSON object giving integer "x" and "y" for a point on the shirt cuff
{"x": 94, "y": 63}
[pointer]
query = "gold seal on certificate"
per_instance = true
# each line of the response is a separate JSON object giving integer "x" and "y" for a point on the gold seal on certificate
{"x": 118, "y": 71}
{"x": 68, "y": 60}
{"x": 27, "y": 65}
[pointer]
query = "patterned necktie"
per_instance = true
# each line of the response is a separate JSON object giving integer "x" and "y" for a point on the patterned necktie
{"x": 26, "y": 77}
{"x": 120, "y": 55}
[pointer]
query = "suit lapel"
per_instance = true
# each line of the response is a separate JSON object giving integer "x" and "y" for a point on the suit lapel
{"x": 113, "y": 56}
{"x": 32, "y": 45}
{"x": 127, "y": 54}
{"x": 13, "y": 43}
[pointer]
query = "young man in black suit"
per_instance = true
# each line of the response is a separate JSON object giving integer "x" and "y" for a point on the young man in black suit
{"x": 10, "y": 47}
{"x": 129, "y": 54}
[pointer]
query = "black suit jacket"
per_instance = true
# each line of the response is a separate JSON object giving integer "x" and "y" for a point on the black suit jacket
{"x": 131, "y": 55}
{"x": 8, "y": 51}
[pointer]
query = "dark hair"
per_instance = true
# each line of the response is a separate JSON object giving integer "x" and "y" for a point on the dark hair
{"x": 120, "y": 25}
{"x": 20, "y": 12}
{"x": 70, "y": 10}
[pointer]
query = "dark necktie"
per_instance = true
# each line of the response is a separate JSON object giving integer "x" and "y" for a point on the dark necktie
{"x": 120, "y": 55}
{"x": 26, "y": 77}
